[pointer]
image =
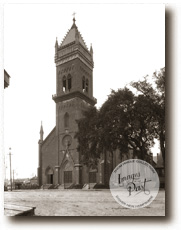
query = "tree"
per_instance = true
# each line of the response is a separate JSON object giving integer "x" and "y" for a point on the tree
{"x": 87, "y": 136}
{"x": 155, "y": 95}
{"x": 126, "y": 123}
{"x": 114, "y": 119}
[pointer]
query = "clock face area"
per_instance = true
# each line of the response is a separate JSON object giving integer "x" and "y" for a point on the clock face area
{"x": 67, "y": 141}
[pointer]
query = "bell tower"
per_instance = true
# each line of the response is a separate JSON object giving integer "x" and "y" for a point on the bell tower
{"x": 74, "y": 67}
{"x": 74, "y": 93}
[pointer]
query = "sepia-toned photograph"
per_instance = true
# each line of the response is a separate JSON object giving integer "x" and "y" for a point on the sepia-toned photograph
{"x": 84, "y": 110}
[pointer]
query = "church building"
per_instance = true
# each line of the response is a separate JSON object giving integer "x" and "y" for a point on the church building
{"x": 59, "y": 160}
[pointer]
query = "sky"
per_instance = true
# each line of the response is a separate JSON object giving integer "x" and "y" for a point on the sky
{"x": 128, "y": 43}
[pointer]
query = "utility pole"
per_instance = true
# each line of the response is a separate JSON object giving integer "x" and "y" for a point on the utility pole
{"x": 5, "y": 169}
{"x": 10, "y": 167}
{"x": 13, "y": 179}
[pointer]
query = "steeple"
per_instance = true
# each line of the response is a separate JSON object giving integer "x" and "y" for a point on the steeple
{"x": 41, "y": 132}
{"x": 74, "y": 63}
{"x": 73, "y": 35}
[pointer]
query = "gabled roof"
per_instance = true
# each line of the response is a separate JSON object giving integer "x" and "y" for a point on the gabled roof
{"x": 71, "y": 36}
{"x": 49, "y": 135}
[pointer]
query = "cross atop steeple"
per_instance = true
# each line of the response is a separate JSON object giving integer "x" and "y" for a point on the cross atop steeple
{"x": 74, "y": 17}
{"x": 74, "y": 14}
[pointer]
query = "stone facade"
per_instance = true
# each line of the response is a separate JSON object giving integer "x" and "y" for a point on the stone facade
{"x": 59, "y": 160}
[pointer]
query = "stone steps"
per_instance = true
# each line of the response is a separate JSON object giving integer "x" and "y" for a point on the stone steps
{"x": 61, "y": 187}
{"x": 46, "y": 186}
{"x": 88, "y": 186}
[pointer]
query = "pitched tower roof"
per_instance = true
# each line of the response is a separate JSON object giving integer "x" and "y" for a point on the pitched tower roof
{"x": 72, "y": 35}
{"x": 70, "y": 53}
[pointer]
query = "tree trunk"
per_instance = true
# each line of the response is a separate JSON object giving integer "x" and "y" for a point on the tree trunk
{"x": 162, "y": 146}
{"x": 112, "y": 160}
{"x": 105, "y": 168}
{"x": 142, "y": 154}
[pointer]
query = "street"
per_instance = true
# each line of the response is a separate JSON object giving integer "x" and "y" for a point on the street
{"x": 80, "y": 203}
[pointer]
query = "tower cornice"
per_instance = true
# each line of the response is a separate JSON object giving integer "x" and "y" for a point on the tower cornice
{"x": 71, "y": 52}
{"x": 59, "y": 98}
{"x": 73, "y": 56}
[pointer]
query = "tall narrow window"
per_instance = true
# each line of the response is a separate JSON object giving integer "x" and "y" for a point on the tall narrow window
{"x": 86, "y": 85}
{"x": 69, "y": 82}
{"x": 64, "y": 83}
{"x": 83, "y": 84}
{"x": 66, "y": 120}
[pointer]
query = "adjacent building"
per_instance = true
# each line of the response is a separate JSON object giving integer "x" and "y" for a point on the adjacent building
{"x": 6, "y": 79}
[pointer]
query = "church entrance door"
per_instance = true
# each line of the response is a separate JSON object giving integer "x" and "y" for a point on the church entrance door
{"x": 92, "y": 177}
{"x": 68, "y": 174}
{"x": 67, "y": 179}
{"x": 50, "y": 179}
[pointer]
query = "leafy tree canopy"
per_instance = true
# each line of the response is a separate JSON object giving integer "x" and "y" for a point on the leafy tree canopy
{"x": 126, "y": 120}
{"x": 156, "y": 98}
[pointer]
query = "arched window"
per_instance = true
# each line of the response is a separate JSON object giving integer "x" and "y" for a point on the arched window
{"x": 86, "y": 85}
{"x": 64, "y": 83}
{"x": 66, "y": 120}
{"x": 48, "y": 170}
{"x": 83, "y": 84}
{"x": 69, "y": 82}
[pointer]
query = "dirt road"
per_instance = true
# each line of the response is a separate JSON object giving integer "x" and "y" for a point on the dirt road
{"x": 80, "y": 203}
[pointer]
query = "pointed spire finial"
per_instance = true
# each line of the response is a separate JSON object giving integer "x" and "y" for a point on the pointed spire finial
{"x": 91, "y": 50}
{"x": 74, "y": 25}
{"x": 56, "y": 45}
{"x": 74, "y": 17}
{"x": 41, "y": 132}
